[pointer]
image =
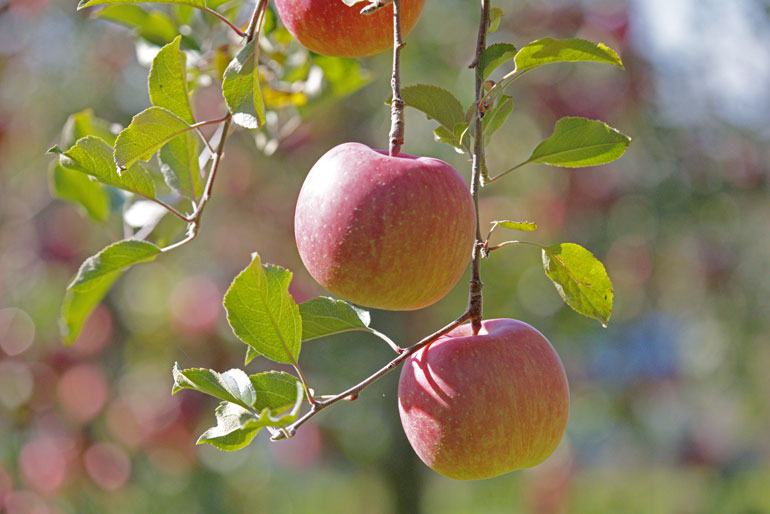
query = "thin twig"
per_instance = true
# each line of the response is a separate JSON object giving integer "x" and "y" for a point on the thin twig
{"x": 388, "y": 340}
{"x": 396, "y": 137}
{"x": 257, "y": 18}
{"x": 475, "y": 300}
{"x": 170, "y": 209}
{"x": 194, "y": 220}
{"x": 353, "y": 392}
{"x": 305, "y": 384}
{"x": 499, "y": 175}
{"x": 223, "y": 18}
{"x": 507, "y": 243}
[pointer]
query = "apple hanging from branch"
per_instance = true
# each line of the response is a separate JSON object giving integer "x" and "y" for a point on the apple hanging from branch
{"x": 330, "y": 27}
{"x": 389, "y": 232}
{"x": 476, "y": 407}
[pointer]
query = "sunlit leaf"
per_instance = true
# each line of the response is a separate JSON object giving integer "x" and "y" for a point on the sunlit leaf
{"x": 579, "y": 142}
{"x": 94, "y": 157}
{"x": 154, "y": 26}
{"x": 231, "y": 386}
{"x": 116, "y": 257}
{"x": 524, "y": 226}
{"x": 167, "y": 84}
{"x": 325, "y": 316}
{"x": 549, "y": 50}
{"x": 580, "y": 279}
{"x": 493, "y": 56}
{"x": 236, "y": 426}
{"x": 275, "y": 390}
{"x": 179, "y": 164}
{"x": 263, "y": 314}
{"x": 240, "y": 87}
{"x": 148, "y": 132}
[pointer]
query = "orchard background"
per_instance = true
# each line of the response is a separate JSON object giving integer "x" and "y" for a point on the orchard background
{"x": 669, "y": 403}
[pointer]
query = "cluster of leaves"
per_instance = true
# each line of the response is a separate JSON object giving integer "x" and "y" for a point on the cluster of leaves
{"x": 266, "y": 318}
{"x": 579, "y": 277}
{"x": 269, "y": 84}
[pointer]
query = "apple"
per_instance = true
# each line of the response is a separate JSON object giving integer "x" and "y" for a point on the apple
{"x": 330, "y": 27}
{"x": 389, "y": 232}
{"x": 479, "y": 406}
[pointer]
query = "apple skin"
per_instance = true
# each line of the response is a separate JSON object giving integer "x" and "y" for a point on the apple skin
{"x": 476, "y": 407}
{"x": 329, "y": 27}
{"x": 386, "y": 232}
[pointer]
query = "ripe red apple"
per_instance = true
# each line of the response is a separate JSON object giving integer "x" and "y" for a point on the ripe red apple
{"x": 476, "y": 407}
{"x": 329, "y": 27}
{"x": 386, "y": 232}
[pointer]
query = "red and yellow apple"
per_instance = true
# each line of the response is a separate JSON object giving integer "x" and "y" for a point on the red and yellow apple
{"x": 479, "y": 406}
{"x": 329, "y": 27}
{"x": 385, "y": 232}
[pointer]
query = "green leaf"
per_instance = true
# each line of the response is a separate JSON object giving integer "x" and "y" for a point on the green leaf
{"x": 524, "y": 226}
{"x": 275, "y": 390}
{"x": 580, "y": 279}
{"x": 88, "y": 3}
{"x": 324, "y": 316}
{"x": 78, "y": 305}
{"x": 179, "y": 165}
{"x": 78, "y": 188}
{"x": 493, "y": 56}
{"x": 116, "y": 257}
{"x": 251, "y": 354}
{"x": 495, "y": 16}
{"x": 240, "y": 88}
{"x": 148, "y": 132}
{"x": 443, "y": 135}
{"x": 437, "y": 103}
{"x": 93, "y": 156}
{"x": 167, "y": 83}
{"x": 84, "y": 123}
{"x": 579, "y": 142}
{"x": 263, "y": 314}
{"x": 154, "y": 26}
{"x": 496, "y": 116}
{"x": 231, "y": 386}
{"x": 549, "y": 50}
{"x": 236, "y": 426}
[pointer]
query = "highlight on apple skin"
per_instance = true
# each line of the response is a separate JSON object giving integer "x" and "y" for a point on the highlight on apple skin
{"x": 385, "y": 232}
{"x": 476, "y": 407}
{"x": 329, "y": 27}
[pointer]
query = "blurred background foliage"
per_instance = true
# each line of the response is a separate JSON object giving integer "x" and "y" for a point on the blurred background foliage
{"x": 670, "y": 404}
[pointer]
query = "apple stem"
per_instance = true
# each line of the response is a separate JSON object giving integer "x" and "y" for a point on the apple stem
{"x": 475, "y": 301}
{"x": 396, "y": 136}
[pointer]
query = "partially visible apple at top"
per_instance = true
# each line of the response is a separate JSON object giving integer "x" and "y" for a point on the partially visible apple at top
{"x": 329, "y": 27}
{"x": 386, "y": 232}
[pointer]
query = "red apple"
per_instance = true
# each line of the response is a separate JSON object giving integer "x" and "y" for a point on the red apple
{"x": 329, "y": 27}
{"x": 476, "y": 407}
{"x": 386, "y": 232}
